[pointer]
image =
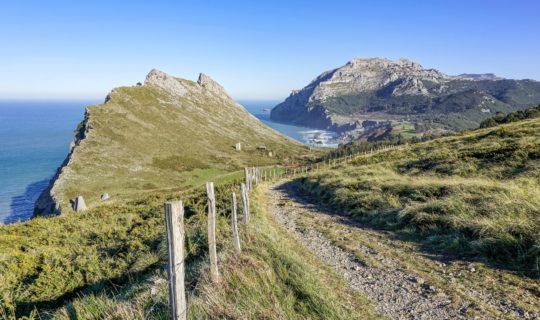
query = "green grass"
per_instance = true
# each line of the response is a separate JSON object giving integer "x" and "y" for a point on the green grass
{"x": 454, "y": 277}
{"x": 474, "y": 194}
{"x": 108, "y": 262}
{"x": 48, "y": 260}
{"x": 275, "y": 277}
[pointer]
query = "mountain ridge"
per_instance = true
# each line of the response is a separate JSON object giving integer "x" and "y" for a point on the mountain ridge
{"x": 382, "y": 89}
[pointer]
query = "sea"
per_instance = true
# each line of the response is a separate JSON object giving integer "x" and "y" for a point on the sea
{"x": 35, "y": 137}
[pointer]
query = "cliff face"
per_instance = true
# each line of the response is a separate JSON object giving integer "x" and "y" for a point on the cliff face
{"x": 168, "y": 133}
{"x": 47, "y": 203}
{"x": 403, "y": 88}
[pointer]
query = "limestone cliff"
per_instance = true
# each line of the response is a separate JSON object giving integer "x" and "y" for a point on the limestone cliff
{"x": 402, "y": 89}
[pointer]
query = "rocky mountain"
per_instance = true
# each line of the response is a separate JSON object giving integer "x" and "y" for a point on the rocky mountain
{"x": 403, "y": 91}
{"x": 168, "y": 133}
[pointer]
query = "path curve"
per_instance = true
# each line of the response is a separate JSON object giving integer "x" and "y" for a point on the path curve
{"x": 396, "y": 293}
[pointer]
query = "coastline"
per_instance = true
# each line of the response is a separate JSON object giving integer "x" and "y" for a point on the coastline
{"x": 35, "y": 136}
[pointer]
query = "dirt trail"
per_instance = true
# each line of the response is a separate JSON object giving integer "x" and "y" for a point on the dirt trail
{"x": 397, "y": 292}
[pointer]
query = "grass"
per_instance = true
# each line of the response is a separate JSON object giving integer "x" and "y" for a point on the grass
{"x": 276, "y": 278}
{"x": 108, "y": 263}
{"x": 473, "y": 194}
{"x": 406, "y": 129}
{"x": 453, "y": 275}
{"x": 47, "y": 261}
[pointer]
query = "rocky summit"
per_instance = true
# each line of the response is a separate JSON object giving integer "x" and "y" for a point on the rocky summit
{"x": 379, "y": 89}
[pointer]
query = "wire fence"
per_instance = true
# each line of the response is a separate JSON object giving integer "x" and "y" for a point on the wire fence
{"x": 256, "y": 175}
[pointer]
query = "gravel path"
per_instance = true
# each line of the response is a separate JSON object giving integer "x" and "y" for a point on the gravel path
{"x": 397, "y": 294}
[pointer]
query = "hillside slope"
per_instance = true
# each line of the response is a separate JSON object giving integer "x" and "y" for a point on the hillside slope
{"x": 108, "y": 263}
{"x": 473, "y": 194}
{"x": 380, "y": 89}
{"x": 167, "y": 133}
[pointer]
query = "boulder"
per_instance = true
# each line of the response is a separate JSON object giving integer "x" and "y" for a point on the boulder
{"x": 79, "y": 204}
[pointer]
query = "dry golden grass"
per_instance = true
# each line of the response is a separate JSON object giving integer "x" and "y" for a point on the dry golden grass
{"x": 472, "y": 194}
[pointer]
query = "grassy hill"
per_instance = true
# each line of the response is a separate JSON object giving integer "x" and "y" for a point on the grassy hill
{"x": 108, "y": 263}
{"x": 168, "y": 133}
{"x": 144, "y": 146}
{"x": 472, "y": 194}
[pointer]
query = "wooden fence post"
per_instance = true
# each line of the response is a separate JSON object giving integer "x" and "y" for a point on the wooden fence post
{"x": 245, "y": 202}
{"x": 246, "y": 175}
{"x": 214, "y": 274}
{"x": 251, "y": 179}
{"x": 174, "y": 222}
{"x": 256, "y": 176}
{"x": 234, "y": 224}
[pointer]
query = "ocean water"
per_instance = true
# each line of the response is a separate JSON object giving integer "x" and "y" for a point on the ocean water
{"x": 309, "y": 136}
{"x": 35, "y": 138}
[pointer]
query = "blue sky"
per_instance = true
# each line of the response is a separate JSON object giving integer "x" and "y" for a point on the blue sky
{"x": 255, "y": 49}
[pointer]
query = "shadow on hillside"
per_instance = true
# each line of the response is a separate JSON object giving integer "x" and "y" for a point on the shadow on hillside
{"x": 106, "y": 287}
{"x": 293, "y": 190}
{"x": 22, "y": 206}
{"x": 119, "y": 289}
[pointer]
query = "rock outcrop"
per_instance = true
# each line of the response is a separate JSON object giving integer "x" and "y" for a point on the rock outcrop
{"x": 47, "y": 202}
{"x": 402, "y": 88}
{"x": 164, "y": 81}
{"x": 174, "y": 85}
{"x": 208, "y": 83}
{"x": 79, "y": 204}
